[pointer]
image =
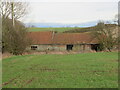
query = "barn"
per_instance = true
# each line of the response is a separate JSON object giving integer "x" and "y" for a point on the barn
{"x": 51, "y": 41}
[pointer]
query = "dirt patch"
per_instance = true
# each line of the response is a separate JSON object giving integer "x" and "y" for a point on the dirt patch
{"x": 50, "y": 52}
{"x": 115, "y": 60}
{"x": 110, "y": 71}
{"x": 114, "y": 70}
{"x": 99, "y": 71}
{"x": 28, "y": 82}
{"x": 13, "y": 80}
{"x": 54, "y": 52}
{"x": 43, "y": 69}
{"x": 6, "y": 55}
{"x": 10, "y": 81}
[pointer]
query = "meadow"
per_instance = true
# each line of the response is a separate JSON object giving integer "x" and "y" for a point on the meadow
{"x": 85, "y": 70}
{"x": 60, "y": 29}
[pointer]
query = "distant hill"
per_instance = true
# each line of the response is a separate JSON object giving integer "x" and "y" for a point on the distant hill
{"x": 59, "y": 29}
{"x": 81, "y": 30}
{"x": 87, "y": 29}
{"x": 56, "y": 25}
{"x": 67, "y": 29}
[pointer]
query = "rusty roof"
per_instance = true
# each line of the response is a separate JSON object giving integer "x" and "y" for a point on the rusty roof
{"x": 49, "y": 37}
{"x": 73, "y": 38}
{"x": 40, "y": 37}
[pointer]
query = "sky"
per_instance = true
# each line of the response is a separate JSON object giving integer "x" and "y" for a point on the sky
{"x": 70, "y": 12}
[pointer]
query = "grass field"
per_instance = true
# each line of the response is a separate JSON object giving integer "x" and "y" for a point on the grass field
{"x": 87, "y": 70}
{"x": 35, "y": 29}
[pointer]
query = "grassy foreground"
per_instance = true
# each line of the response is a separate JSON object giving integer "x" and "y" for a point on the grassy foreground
{"x": 87, "y": 70}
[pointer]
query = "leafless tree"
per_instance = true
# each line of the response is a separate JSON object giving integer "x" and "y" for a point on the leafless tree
{"x": 14, "y": 36}
{"x": 107, "y": 35}
{"x": 19, "y": 9}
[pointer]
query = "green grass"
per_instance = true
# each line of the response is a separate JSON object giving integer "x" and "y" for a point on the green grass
{"x": 87, "y": 70}
{"x": 62, "y": 29}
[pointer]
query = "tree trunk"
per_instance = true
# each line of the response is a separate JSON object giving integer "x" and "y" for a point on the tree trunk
{"x": 109, "y": 49}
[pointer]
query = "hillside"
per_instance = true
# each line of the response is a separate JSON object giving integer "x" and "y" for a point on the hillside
{"x": 81, "y": 30}
{"x": 68, "y": 29}
{"x": 60, "y": 29}
{"x": 88, "y": 29}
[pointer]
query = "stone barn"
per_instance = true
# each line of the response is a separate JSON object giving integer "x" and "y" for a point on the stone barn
{"x": 42, "y": 41}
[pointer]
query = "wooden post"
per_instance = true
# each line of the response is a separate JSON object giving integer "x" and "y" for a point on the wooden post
{"x": 12, "y": 13}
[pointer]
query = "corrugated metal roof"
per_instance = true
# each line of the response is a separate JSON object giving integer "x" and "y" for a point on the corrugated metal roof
{"x": 73, "y": 38}
{"x": 61, "y": 38}
{"x": 41, "y": 37}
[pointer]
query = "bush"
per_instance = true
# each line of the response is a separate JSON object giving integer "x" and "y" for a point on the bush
{"x": 15, "y": 40}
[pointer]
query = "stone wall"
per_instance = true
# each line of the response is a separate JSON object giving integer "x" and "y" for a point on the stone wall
{"x": 59, "y": 47}
{"x": 76, "y": 47}
{"x": 44, "y": 47}
{"x": 49, "y": 47}
{"x": 81, "y": 48}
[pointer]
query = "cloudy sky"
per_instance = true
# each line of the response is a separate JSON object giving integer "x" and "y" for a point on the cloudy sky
{"x": 72, "y": 11}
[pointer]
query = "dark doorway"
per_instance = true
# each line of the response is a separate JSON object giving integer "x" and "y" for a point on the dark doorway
{"x": 33, "y": 47}
{"x": 95, "y": 47}
{"x": 69, "y": 47}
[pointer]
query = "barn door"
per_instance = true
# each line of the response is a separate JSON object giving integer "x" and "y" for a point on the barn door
{"x": 69, "y": 47}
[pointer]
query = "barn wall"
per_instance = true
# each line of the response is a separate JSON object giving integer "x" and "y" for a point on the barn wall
{"x": 76, "y": 47}
{"x": 87, "y": 47}
{"x": 28, "y": 48}
{"x": 49, "y": 47}
{"x": 59, "y": 47}
{"x": 41, "y": 47}
{"x": 44, "y": 47}
{"x": 81, "y": 47}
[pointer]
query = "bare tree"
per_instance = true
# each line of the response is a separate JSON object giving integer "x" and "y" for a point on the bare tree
{"x": 19, "y": 9}
{"x": 106, "y": 35}
{"x": 14, "y": 36}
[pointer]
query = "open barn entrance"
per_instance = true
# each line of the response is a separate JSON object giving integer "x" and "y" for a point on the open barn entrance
{"x": 69, "y": 47}
{"x": 33, "y": 47}
{"x": 95, "y": 47}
